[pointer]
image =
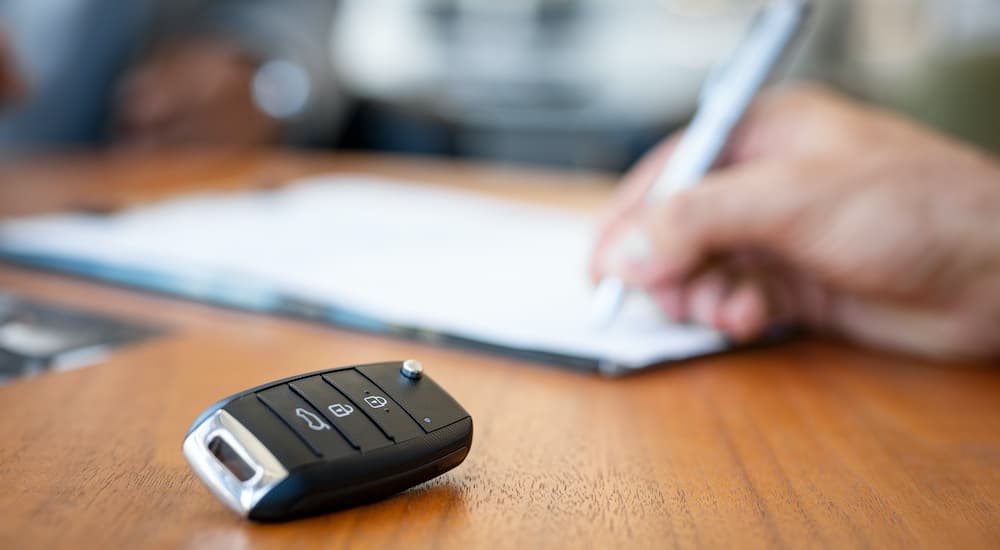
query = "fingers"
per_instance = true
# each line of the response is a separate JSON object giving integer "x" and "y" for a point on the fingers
{"x": 738, "y": 303}
{"x": 746, "y": 313}
{"x": 763, "y": 200}
{"x": 707, "y": 294}
{"x": 757, "y": 206}
{"x": 690, "y": 269}
{"x": 628, "y": 201}
{"x": 638, "y": 181}
{"x": 782, "y": 128}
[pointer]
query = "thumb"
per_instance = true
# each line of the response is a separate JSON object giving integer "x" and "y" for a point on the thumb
{"x": 747, "y": 205}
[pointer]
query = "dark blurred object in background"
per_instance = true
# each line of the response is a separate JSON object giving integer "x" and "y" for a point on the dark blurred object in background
{"x": 149, "y": 72}
{"x": 35, "y": 336}
{"x": 591, "y": 83}
{"x": 12, "y": 86}
{"x": 580, "y": 83}
{"x": 583, "y": 83}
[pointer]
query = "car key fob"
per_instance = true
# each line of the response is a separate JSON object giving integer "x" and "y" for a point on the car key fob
{"x": 328, "y": 440}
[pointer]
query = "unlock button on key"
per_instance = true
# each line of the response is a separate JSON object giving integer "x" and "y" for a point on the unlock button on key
{"x": 376, "y": 404}
{"x": 342, "y": 413}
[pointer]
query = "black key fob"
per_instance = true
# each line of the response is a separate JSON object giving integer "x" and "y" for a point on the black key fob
{"x": 328, "y": 440}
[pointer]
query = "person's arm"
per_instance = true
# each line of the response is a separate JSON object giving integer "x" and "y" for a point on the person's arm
{"x": 832, "y": 215}
{"x": 195, "y": 82}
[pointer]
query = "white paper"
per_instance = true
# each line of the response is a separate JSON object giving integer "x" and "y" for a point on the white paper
{"x": 414, "y": 255}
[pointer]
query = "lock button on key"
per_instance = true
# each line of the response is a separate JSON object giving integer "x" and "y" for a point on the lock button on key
{"x": 342, "y": 413}
{"x": 305, "y": 421}
{"x": 376, "y": 404}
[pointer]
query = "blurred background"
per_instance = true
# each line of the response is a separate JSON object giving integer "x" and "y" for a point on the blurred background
{"x": 585, "y": 84}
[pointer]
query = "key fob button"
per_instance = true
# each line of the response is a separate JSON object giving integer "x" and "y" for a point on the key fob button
{"x": 426, "y": 402}
{"x": 342, "y": 413}
{"x": 376, "y": 404}
{"x": 315, "y": 430}
{"x": 289, "y": 449}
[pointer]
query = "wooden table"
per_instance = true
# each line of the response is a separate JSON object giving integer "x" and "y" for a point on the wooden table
{"x": 810, "y": 444}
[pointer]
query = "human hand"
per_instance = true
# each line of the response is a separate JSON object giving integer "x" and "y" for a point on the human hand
{"x": 196, "y": 91}
{"x": 831, "y": 215}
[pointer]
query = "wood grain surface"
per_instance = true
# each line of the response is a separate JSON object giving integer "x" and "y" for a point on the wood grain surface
{"x": 807, "y": 444}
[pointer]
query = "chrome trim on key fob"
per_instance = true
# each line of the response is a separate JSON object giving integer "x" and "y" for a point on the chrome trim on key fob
{"x": 241, "y": 496}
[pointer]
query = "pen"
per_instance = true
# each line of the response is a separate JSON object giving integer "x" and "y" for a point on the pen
{"x": 725, "y": 97}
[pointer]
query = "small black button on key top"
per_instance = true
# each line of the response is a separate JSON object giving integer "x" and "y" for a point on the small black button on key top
{"x": 312, "y": 427}
{"x": 426, "y": 402}
{"x": 394, "y": 421}
{"x": 342, "y": 413}
{"x": 326, "y": 440}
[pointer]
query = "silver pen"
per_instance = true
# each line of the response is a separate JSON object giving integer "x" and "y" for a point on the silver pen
{"x": 725, "y": 97}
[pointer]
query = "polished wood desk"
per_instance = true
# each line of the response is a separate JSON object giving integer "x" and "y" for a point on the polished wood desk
{"x": 810, "y": 444}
